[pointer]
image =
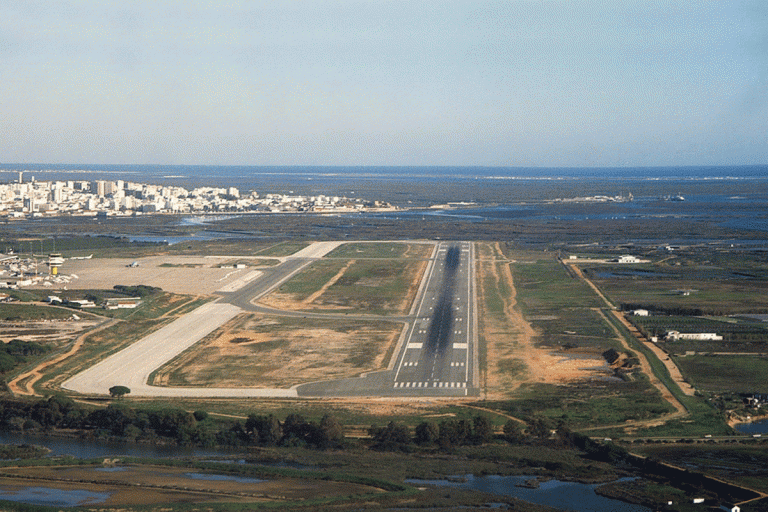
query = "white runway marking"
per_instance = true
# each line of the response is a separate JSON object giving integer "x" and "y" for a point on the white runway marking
{"x": 430, "y": 384}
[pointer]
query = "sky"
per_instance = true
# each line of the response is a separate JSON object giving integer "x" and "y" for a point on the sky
{"x": 542, "y": 83}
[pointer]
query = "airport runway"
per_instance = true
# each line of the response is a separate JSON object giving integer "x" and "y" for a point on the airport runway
{"x": 438, "y": 356}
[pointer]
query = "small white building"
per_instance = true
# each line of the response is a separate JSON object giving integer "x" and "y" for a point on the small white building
{"x": 696, "y": 336}
{"x": 627, "y": 258}
{"x": 122, "y": 303}
{"x": 640, "y": 312}
{"x": 83, "y": 303}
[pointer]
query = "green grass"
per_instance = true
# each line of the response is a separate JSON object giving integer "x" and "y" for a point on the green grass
{"x": 282, "y": 249}
{"x": 723, "y": 374}
{"x": 311, "y": 279}
{"x": 381, "y": 250}
{"x": 712, "y": 297}
{"x": 21, "y": 312}
{"x": 366, "y": 286}
{"x": 743, "y": 464}
{"x": 588, "y": 405}
{"x": 250, "y": 262}
{"x": 155, "y": 306}
{"x": 546, "y": 286}
{"x": 26, "y": 295}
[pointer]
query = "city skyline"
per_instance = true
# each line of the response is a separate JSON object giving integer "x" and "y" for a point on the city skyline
{"x": 518, "y": 83}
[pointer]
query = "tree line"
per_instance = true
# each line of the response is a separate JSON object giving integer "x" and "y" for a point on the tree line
{"x": 169, "y": 425}
{"x": 178, "y": 426}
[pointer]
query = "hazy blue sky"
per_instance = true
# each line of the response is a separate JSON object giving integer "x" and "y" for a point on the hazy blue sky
{"x": 385, "y": 82}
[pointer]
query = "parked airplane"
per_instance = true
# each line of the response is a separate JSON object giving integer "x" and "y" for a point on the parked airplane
{"x": 81, "y": 257}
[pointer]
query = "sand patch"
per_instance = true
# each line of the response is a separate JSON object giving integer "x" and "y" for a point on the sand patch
{"x": 512, "y": 357}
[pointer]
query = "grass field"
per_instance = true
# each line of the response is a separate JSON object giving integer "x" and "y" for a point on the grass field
{"x": 731, "y": 329}
{"x": 382, "y": 250}
{"x": 743, "y": 464}
{"x": 377, "y": 286}
{"x": 726, "y": 373}
{"x": 263, "y": 351}
{"x": 545, "y": 286}
{"x": 711, "y": 296}
{"x": 26, "y": 312}
{"x": 589, "y": 404}
{"x": 281, "y": 249}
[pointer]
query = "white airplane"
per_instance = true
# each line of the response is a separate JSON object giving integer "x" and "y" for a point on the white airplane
{"x": 134, "y": 264}
{"x": 81, "y": 257}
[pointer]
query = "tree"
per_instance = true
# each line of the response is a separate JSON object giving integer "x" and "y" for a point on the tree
{"x": 295, "y": 430}
{"x": 263, "y": 430}
{"x": 395, "y": 436}
{"x": 118, "y": 391}
{"x": 483, "y": 429}
{"x": 427, "y": 432}
{"x": 331, "y": 433}
{"x": 540, "y": 427}
{"x": 449, "y": 434}
{"x": 513, "y": 432}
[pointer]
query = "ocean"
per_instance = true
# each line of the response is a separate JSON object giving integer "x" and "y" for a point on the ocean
{"x": 421, "y": 186}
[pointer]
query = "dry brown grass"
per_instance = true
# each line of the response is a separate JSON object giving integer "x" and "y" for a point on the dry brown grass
{"x": 256, "y": 350}
{"x": 512, "y": 356}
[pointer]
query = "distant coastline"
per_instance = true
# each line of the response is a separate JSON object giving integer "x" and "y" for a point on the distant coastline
{"x": 237, "y": 173}
{"x": 105, "y": 198}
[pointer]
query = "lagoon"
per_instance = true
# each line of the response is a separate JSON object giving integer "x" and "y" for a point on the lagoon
{"x": 553, "y": 493}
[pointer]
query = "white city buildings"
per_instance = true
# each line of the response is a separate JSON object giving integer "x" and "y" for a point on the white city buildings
{"x": 101, "y": 197}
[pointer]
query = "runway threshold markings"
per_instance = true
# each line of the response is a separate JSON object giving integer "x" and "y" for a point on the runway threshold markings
{"x": 437, "y": 379}
{"x": 433, "y": 384}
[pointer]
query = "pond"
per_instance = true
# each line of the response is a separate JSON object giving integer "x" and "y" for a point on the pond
{"x": 552, "y": 493}
{"x": 51, "y": 497}
{"x": 756, "y": 427}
